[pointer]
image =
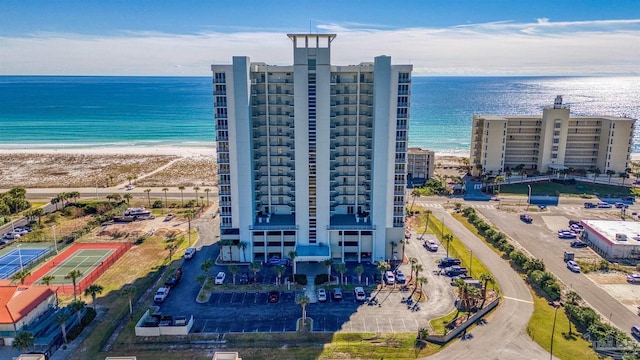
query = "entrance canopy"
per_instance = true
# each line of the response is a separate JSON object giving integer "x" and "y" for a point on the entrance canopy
{"x": 312, "y": 253}
{"x": 557, "y": 167}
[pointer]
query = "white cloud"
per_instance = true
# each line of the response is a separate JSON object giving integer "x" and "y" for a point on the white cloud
{"x": 540, "y": 47}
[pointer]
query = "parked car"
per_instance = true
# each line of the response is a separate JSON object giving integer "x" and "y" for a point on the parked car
{"x": 400, "y": 278}
{"x": 620, "y": 205}
{"x": 526, "y": 218}
{"x": 633, "y": 278}
{"x": 337, "y": 294}
{"x": 589, "y": 205}
{"x": 169, "y": 217}
{"x": 161, "y": 294}
{"x": 174, "y": 279}
{"x": 576, "y": 228}
{"x": 463, "y": 277}
{"x": 244, "y": 278}
{"x": 578, "y": 244}
{"x": 604, "y": 205}
{"x": 129, "y": 187}
{"x": 189, "y": 253}
{"x": 274, "y": 296}
{"x": 448, "y": 261}
{"x": 455, "y": 270}
{"x": 389, "y": 278}
{"x": 360, "y": 294}
{"x": 431, "y": 245}
{"x": 322, "y": 295}
{"x": 566, "y": 234}
{"x": 220, "y": 278}
{"x": 573, "y": 266}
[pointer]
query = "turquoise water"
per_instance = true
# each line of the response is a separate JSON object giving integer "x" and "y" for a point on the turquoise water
{"x": 56, "y": 112}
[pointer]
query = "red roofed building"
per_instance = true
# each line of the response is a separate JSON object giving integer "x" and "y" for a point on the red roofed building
{"x": 20, "y": 305}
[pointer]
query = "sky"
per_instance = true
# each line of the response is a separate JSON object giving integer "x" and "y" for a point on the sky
{"x": 440, "y": 38}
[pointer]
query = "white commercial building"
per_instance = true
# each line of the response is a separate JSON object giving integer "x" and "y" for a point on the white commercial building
{"x": 553, "y": 141}
{"x": 311, "y": 156}
{"x": 613, "y": 239}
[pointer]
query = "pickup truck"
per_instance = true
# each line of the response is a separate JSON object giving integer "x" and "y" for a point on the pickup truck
{"x": 455, "y": 271}
{"x": 161, "y": 294}
{"x": 447, "y": 261}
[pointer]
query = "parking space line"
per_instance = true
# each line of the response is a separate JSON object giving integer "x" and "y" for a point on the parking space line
{"x": 524, "y": 301}
{"x": 404, "y": 325}
{"x": 377, "y": 325}
{"x": 391, "y": 325}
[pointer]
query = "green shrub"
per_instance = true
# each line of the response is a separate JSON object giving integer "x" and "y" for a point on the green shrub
{"x": 300, "y": 279}
{"x": 157, "y": 204}
{"x": 321, "y": 279}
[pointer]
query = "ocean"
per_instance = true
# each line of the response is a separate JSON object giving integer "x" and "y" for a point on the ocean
{"x": 79, "y": 112}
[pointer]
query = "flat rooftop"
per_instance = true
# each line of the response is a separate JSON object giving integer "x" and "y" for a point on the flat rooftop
{"x": 609, "y": 229}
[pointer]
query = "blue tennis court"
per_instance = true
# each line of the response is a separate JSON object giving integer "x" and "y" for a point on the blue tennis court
{"x": 10, "y": 262}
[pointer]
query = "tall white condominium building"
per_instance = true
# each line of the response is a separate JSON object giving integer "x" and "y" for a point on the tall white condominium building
{"x": 311, "y": 156}
{"x": 553, "y": 141}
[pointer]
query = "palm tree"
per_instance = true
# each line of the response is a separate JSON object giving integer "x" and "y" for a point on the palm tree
{"x": 624, "y": 176}
{"x": 148, "y": 191}
{"x": 206, "y": 266}
{"x": 190, "y": 214}
{"x": 129, "y": 291}
{"x": 21, "y": 276}
{"x": 418, "y": 268}
{"x": 303, "y": 301}
{"x": 77, "y": 306}
{"x": 74, "y": 275}
{"x": 413, "y": 262}
{"x": 327, "y": 263}
{"x": 448, "y": 238}
{"x": 23, "y": 340}
{"x": 128, "y": 197}
{"x": 255, "y": 267}
{"x": 61, "y": 319}
{"x": 499, "y": 179}
{"x": 403, "y": 242}
{"x": 610, "y": 173}
{"x": 47, "y": 279}
{"x": 93, "y": 290}
{"x": 196, "y": 188}
{"x": 279, "y": 270}
{"x": 172, "y": 249}
{"x": 359, "y": 270}
{"x": 596, "y": 173}
{"x": 110, "y": 179}
{"x": 207, "y": 190}
{"x": 165, "y": 196}
{"x": 233, "y": 269}
{"x": 382, "y": 267}
{"x": 573, "y": 298}
{"x": 414, "y": 194}
{"x": 181, "y": 188}
{"x": 116, "y": 197}
{"x": 55, "y": 201}
{"x": 292, "y": 257}
{"x": 486, "y": 279}
{"x": 421, "y": 281}
{"x": 426, "y": 225}
{"x": 341, "y": 268}
{"x": 242, "y": 245}
{"x": 473, "y": 294}
{"x": 129, "y": 178}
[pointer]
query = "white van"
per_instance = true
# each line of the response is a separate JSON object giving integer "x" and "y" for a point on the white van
{"x": 389, "y": 278}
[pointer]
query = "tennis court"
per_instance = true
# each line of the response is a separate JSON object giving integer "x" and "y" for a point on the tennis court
{"x": 83, "y": 260}
{"x": 12, "y": 261}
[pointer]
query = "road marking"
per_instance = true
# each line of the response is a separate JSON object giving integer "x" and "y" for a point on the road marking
{"x": 524, "y": 301}
{"x": 432, "y": 205}
{"x": 390, "y": 324}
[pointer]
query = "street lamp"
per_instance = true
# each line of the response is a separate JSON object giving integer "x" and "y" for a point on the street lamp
{"x": 553, "y": 329}
{"x": 55, "y": 241}
{"x": 20, "y": 257}
{"x": 529, "y": 197}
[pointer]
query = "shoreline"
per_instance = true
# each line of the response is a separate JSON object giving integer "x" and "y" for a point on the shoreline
{"x": 170, "y": 150}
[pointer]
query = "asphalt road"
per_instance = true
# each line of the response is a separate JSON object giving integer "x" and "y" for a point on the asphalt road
{"x": 544, "y": 244}
{"x": 504, "y": 336}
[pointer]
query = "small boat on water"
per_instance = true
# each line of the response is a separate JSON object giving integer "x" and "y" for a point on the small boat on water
{"x": 137, "y": 211}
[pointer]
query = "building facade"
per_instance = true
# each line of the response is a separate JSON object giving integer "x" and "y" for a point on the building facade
{"x": 613, "y": 239}
{"x": 554, "y": 141}
{"x": 311, "y": 156}
{"x": 420, "y": 165}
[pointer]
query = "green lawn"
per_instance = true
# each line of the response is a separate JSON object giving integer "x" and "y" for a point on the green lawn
{"x": 578, "y": 189}
{"x": 564, "y": 347}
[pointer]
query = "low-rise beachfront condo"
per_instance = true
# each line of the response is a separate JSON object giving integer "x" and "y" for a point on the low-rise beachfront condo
{"x": 554, "y": 141}
{"x": 311, "y": 156}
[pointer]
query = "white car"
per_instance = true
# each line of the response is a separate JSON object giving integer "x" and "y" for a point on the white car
{"x": 389, "y": 278}
{"x": 400, "y": 278}
{"x": 129, "y": 187}
{"x": 189, "y": 253}
{"x": 633, "y": 278}
{"x": 161, "y": 294}
{"x": 220, "y": 278}
{"x": 322, "y": 295}
{"x": 360, "y": 294}
{"x": 431, "y": 245}
{"x": 573, "y": 266}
